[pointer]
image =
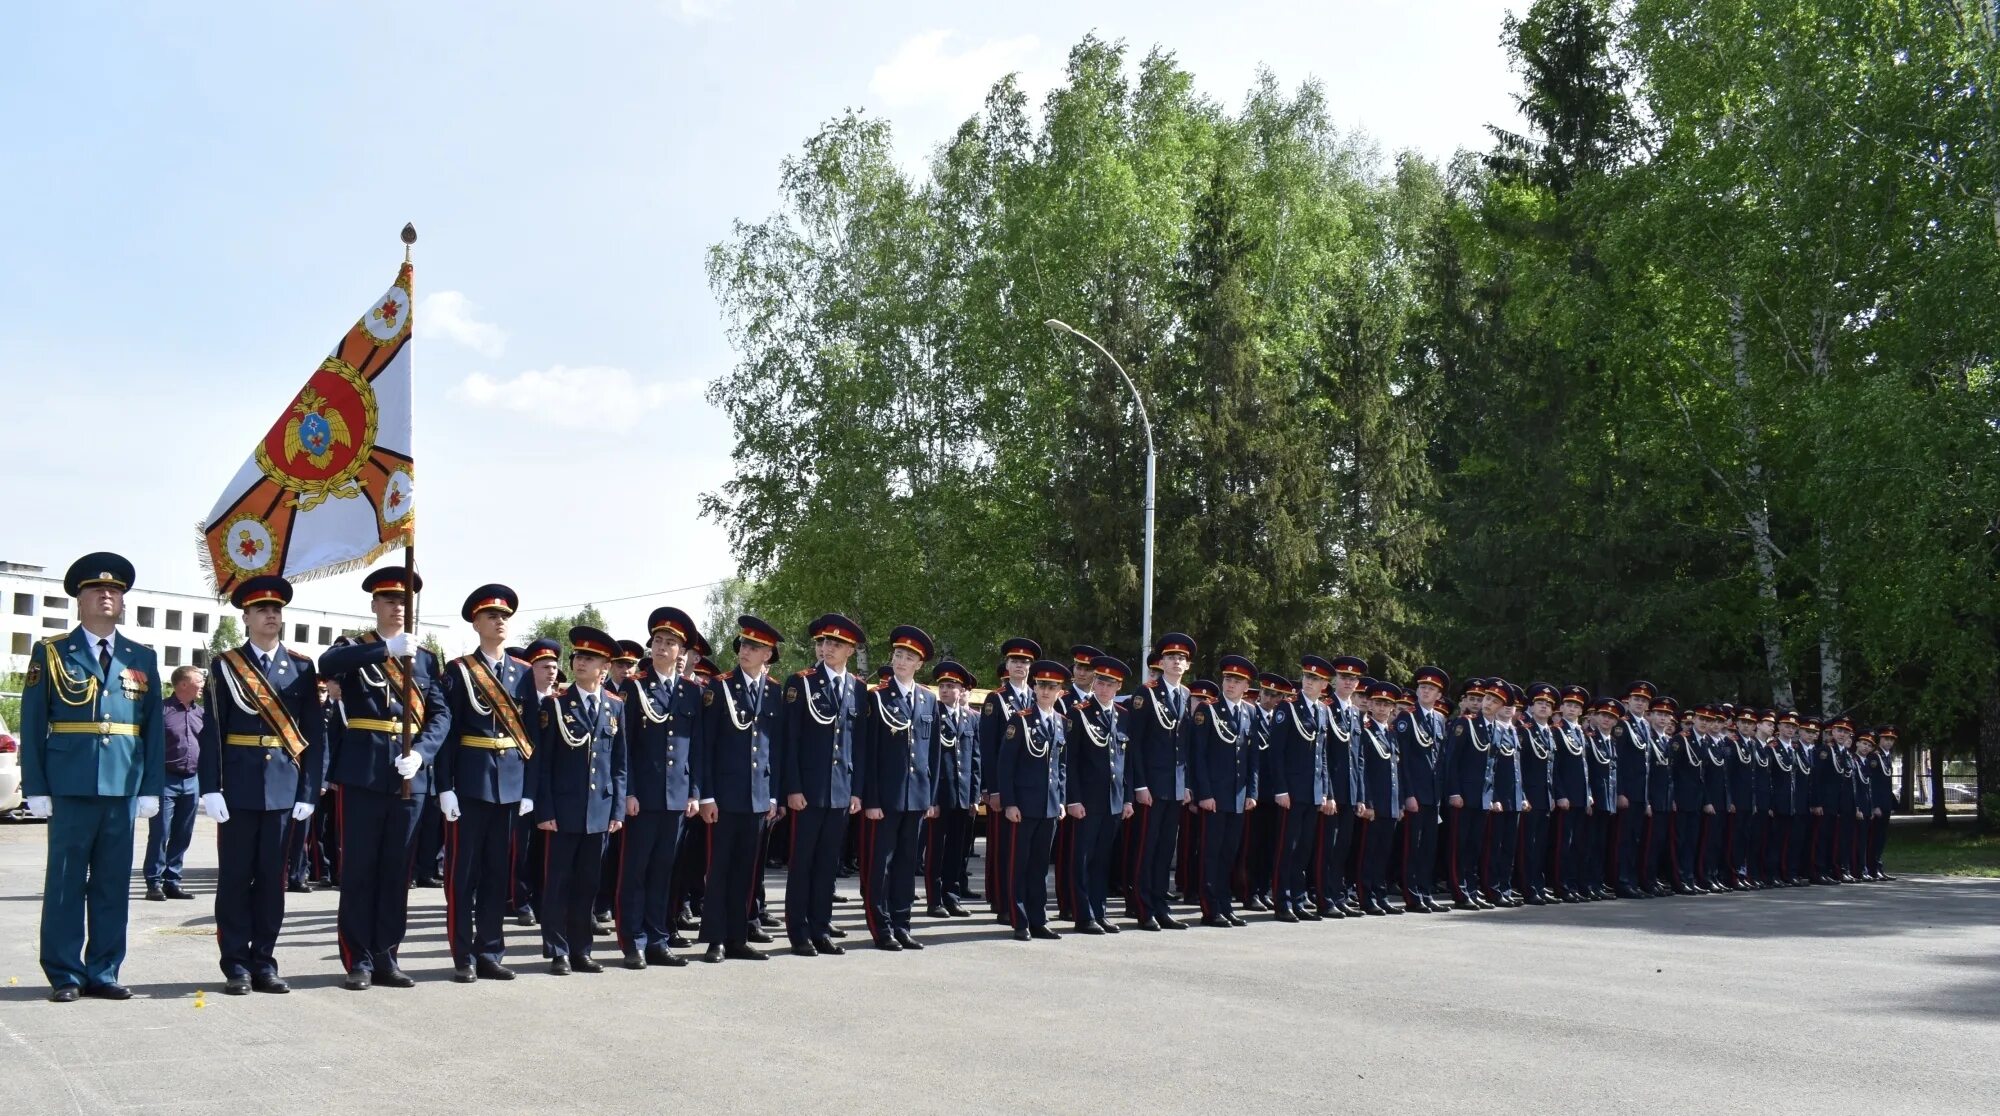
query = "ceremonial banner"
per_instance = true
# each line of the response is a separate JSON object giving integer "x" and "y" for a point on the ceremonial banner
{"x": 329, "y": 487}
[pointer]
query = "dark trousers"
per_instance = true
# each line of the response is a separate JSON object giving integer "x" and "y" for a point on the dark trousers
{"x": 945, "y": 838}
{"x": 1262, "y": 831}
{"x": 690, "y": 867}
{"x": 1777, "y": 846}
{"x": 1537, "y": 837}
{"x": 1823, "y": 826}
{"x": 889, "y": 850}
{"x": 1221, "y": 836}
{"x": 570, "y": 867}
{"x": 326, "y": 829}
{"x": 644, "y": 883}
{"x": 303, "y": 856}
{"x": 1714, "y": 845}
{"x": 1091, "y": 839}
{"x": 250, "y": 889}
{"x": 1031, "y": 839}
{"x": 1496, "y": 873}
{"x": 86, "y": 891}
{"x": 1059, "y": 857}
{"x": 376, "y": 828}
{"x": 528, "y": 844}
{"x": 1746, "y": 846}
{"x": 478, "y": 874}
{"x": 1630, "y": 827}
{"x": 1292, "y": 830}
{"x": 1658, "y": 826}
{"x": 427, "y": 847}
{"x": 1687, "y": 846}
{"x": 1463, "y": 848}
{"x": 1377, "y": 841}
{"x": 1157, "y": 833}
{"x": 1804, "y": 825}
{"x": 818, "y": 834}
{"x": 1420, "y": 831}
{"x": 169, "y": 831}
{"x": 1878, "y": 842}
{"x": 1586, "y": 872}
{"x": 1335, "y": 844}
{"x": 732, "y": 872}
{"x": 605, "y": 902}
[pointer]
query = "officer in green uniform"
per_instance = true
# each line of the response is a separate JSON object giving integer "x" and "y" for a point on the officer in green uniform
{"x": 93, "y": 756}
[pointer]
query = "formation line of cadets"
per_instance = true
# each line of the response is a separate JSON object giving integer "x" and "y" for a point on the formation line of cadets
{"x": 1312, "y": 795}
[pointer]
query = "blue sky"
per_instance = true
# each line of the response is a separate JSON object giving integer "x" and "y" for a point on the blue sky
{"x": 201, "y": 198}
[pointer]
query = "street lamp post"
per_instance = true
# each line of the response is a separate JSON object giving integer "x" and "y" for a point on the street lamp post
{"x": 1146, "y": 423}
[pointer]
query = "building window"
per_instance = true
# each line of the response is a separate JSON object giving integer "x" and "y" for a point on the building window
{"x": 300, "y": 633}
{"x": 23, "y": 643}
{"x": 145, "y": 617}
{"x": 24, "y": 604}
{"x": 56, "y": 622}
{"x": 325, "y": 636}
{"x": 173, "y": 656}
{"x": 173, "y": 620}
{"x": 201, "y": 622}
{"x": 201, "y": 656}
{"x": 58, "y": 603}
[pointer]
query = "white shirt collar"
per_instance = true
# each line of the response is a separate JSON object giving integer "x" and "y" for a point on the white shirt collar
{"x": 90, "y": 641}
{"x": 276, "y": 650}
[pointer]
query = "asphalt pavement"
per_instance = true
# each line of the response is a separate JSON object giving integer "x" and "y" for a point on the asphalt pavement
{"x": 1877, "y": 998}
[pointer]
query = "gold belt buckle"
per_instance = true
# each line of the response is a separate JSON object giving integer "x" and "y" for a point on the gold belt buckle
{"x": 104, "y": 726}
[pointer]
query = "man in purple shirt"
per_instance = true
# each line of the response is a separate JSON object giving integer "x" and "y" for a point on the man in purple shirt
{"x": 169, "y": 831}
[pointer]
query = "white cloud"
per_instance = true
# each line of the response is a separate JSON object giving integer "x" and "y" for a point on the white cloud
{"x": 450, "y": 316}
{"x": 926, "y": 71}
{"x": 594, "y": 397}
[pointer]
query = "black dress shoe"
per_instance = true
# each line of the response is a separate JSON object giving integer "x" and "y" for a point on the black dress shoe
{"x": 524, "y": 917}
{"x": 1285, "y": 914}
{"x": 1169, "y": 922}
{"x": 357, "y": 980}
{"x": 1021, "y": 935}
{"x": 1044, "y": 933}
{"x": 464, "y": 974}
{"x": 1256, "y": 904}
{"x": 804, "y": 949}
{"x": 658, "y": 955}
{"x": 741, "y": 953}
{"x": 836, "y": 932}
{"x": 1536, "y": 901}
{"x": 1306, "y": 914}
{"x": 887, "y": 944}
{"x": 63, "y": 994}
{"x": 270, "y": 983}
{"x": 767, "y": 922}
{"x": 1331, "y": 912}
{"x": 112, "y": 991}
{"x": 586, "y": 964}
{"x": 1464, "y": 905}
{"x": 952, "y": 908}
{"x": 427, "y": 881}
{"x": 828, "y": 947}
{"x": 176, "y": 891}
{"x": 678, "y": 941}
{"x": 634, "y": 961}
{"x": 935, "y": 912}
{"x": 1149, "y": 925}
{"x": 1684, "y": 889}
{"x": 685, "y": 921}
{"x": 713, "y": 956}
{"x": 1216, "y": 921}
{"x": 493, "y": 970}
{"x": 559, "y": 966}
{"x": 1235, "y": 919}
{"x": 904, "y": 939}
{"x": 758, "y": 935}
{"x": 1089, "y": 928}
{"x": 299, "y": 887}
{"x": 1105, "y": 927}
{"x": 238, "y": 985}
{"x": 154, "y": 893}
{"x": 1348, "y": 909}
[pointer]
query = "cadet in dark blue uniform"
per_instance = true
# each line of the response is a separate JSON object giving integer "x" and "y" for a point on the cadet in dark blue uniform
{"x": 1843, "y": 813}
{"x": 1470, "y": 745}
{"x": 577, "y": 782}
{"x": 1779, "y": 863}
{"x": 1690, "y": 752}
{"x": 1030, "y": 782}
{"x": 1570, "y": 800}
{"x": 741, "y": 721}
{"x": 816, "y": 776}
{"x": 1716, "y": 799}
{"x": 1496, "y": 874}
{"x": 898, "y": 775}
{"x": 1157, "y": 773}
{"x": 1295, "y": 783}
{"x": 1600, "y": 854}
{"x": 1632, "y": 745}
{"x": 1660, "y": 793}
{"x": 544, "y": 676}
{"x": 482, "y": 784}
{"x": 1420, "y": 750}
{"x": 93, "y": 757}
{"x": 663, "y": 714}
{"x": 1099, "y": 743}
{"x": 1883, "y": 783}
{"x": 1539, "y": 749}
{"x": 1752, "y": 810}
{"x": 1007, "y": 699}
{"x": 263, "y": 755}
{"x": 1223, "y": 780}
{"x": 378, "y": 674}
{"x": 948, "y": 836}
{"x": 1381, "y": 799}
{"x": 1344, "y": 790}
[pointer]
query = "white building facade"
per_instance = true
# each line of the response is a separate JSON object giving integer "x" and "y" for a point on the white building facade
{"x": 178, "y": 626}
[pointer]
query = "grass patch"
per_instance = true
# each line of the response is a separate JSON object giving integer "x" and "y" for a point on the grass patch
{"x": 1920, "y": 848}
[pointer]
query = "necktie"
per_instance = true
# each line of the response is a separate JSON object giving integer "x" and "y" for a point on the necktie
{"x": 104, "y": 656}
{"x": 263, "y": 663}
{"x": 590, "y": 708}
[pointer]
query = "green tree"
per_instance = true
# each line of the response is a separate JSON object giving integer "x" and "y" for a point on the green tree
{"x": 557, "y": 627}
{"x": 227, "y": 636}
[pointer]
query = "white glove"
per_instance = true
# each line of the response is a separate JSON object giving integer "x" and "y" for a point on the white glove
{"x": 41, "y": 806}
{"x": 408, "y": 765}
{"x": 448, "y": 805}
{"x": 301, "y": 811}
{"x": 214, "y": 807}
{"x": 149, "y": 805}
{"x": 398, "y": 645}
{"x": 527, "y": 806}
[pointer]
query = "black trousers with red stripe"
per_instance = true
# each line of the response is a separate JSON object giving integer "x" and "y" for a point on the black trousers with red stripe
{"x": 947, "y": 839}
{"x": 1221, "y": 835}
{"x": 1295, "y": 827}
{"x": 732, "y": 871}
{"x": 1031, "y": 840}
{"x": 643, "y": 889}
{"x": 376, "y": 828}
{"x": 478, "y": 870}
{"x": 890, "y": 856}
{"x": 1420, "y": 832}
{"x": 1336, "y": 843}
{"x": 571, "y": 867}
{"x": 250, "y": 889}
{"x": 1089, "y": 875}
{"x": 1376, "y": 840}
{"x": 819, "y": 833}
{"x": 1536, "y": 833}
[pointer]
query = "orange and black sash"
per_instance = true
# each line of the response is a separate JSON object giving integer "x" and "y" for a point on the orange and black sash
{"x": 503, "y": 705}
{"x": 405, "y": 689}
{"x": 269, "y": 709}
